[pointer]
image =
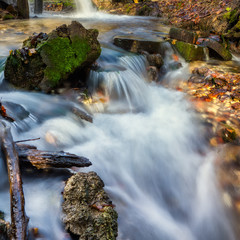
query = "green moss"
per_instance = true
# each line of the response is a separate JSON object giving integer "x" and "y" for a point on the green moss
{"x": 231, "y": 16}
{"x": 8, "y": 17}
{"x": 189, "y": 51}
{"x": 15, "y": 60}
{"x": 61, "y": 57}
{"x": 144, "y": 11}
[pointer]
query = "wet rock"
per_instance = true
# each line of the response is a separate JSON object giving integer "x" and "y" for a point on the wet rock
{"x": 135, "y": 45}
{"x": 183, "y": 35}
{"x": 189, "y": 51}
{"x": 217, "y": 50}
{"x": 88, "y": 211}
{"x": 152, "y": 73}
{"x": 47, "y": 60}
{"x": 155, "y": 60}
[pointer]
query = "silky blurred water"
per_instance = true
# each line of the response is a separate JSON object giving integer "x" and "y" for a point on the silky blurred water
{"x": 145, "y": 142}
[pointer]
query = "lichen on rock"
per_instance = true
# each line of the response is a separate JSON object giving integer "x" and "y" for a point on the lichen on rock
{"x": 189, "y": 52}
{"x": 47, "y": 60}
{"x": 88, "y": 211}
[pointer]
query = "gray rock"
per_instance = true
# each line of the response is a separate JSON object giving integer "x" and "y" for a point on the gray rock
{"x": 138, "y": 45}
{"x": 88, "y": 211}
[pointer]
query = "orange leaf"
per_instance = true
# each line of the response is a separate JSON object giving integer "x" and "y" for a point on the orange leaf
{"x": 175, "y": 57}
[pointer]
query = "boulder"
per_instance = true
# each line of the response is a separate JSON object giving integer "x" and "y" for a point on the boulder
{"x": 183, "y": 35}
{"x": 45, "y": 61}
{"x": 155, "y": 60}
{"x": 88, "y": 211}
{"x": 138, "y": 45}
{"x": 189, "y": 52}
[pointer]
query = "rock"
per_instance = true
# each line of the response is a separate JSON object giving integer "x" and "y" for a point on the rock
{"x": 217, "y": 50}
{"x": 88, "y": 211}
{"x": 148, "y": 9}
{"x": 152, "y": 73}
{"x": 47, "y": 60}
{"x": 155, "y": 60}
{"x": 135, "y": 45}
{"x": 189, "y": 51}
{"x": 183, "y": 35}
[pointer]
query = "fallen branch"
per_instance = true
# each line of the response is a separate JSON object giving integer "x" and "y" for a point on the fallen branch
{"x": 30, "y": 156}
{"x": 19, "y": 220}
{"x": 81, "y": 114}
{"x": 27, "y": 140}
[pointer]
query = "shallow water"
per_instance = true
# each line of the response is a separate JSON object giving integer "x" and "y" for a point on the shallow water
{"x": 145, "y": 143}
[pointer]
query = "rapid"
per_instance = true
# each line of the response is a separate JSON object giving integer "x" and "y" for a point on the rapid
{"x": 145, "y": 142}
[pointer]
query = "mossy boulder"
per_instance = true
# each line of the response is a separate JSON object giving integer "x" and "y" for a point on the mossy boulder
{"x": 189, "y": 52}
{"x": 45, "y": 61}
{"x": 88, "y": 211}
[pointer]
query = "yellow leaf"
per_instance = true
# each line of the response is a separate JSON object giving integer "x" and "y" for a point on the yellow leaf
{"x": 174, "y": 41}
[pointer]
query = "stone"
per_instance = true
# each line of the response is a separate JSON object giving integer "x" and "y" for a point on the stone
{"x": 137, "y": 45}
{"x": 183, "y": 35}
{"x": 217, "y": 50}
{"x": 45, "y": 61}
{"x": 155, "y": 60}
{"x": 87, "y": 210}
{"x": 148, "y": 9}
{"x": 189, "y": 52}
{"x": 152, "y": 73}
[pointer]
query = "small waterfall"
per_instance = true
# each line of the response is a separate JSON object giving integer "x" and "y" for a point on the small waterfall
{"x": 119, "y": 81}
{"x": 146, "y": 145}
{"x": 85, "y": 7}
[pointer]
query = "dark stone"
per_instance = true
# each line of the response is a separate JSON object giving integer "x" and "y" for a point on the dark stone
{"x": 88, "y": 211}
{"x": 155, "y": 60}
{"x": 217, "y": 50}
{"x": 4, "y": 228}
{"x": 47, "y": 60}
{"x": 3, "y": 5}
{"x": 136, "y": 45}
{"x": 183, "y": 35}
{"x": 38, "y": 6}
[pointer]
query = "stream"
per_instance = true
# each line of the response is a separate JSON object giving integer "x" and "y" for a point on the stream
{"x": 146, "y": 142}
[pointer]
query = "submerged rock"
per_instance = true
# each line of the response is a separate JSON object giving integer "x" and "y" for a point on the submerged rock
{"x": 47, "y": 60}
{"x": 88, "y": 211}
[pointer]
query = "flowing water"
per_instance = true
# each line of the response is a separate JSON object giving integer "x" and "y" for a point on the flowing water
{"x": 145, "y": 143}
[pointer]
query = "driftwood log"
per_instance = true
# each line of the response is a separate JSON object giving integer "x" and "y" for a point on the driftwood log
{"x": 31, "y": 156}
{"x": 19, "y": 220}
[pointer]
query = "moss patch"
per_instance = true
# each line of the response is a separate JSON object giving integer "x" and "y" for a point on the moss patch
{"x": 189, "y": 51}
{"x": 62, "y": 57}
